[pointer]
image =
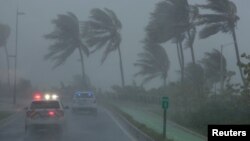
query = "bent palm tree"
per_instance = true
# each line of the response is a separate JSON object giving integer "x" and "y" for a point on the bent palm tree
{"x": 153, "y": 63}
{"x": 67, "y": 39}
{"x": 223, "y": 20}
{"x": 172, "y": 19}
{"x": 4, "y": 35}
{"x": 103, "y": 31}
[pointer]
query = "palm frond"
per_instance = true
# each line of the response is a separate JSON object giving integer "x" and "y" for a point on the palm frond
{"x": 152, "y": 62}
{"x": 114, "y": 18}
{"x": 66, "y": 37}
{"x": 109, "y": 48}
{"x": 211, "y": 18}
{"x": 210, "y": 30}
{"x": 94, "y": 41}
{"x": 100, "y": 16}
{"x": 169, "y": 19}
{"x": 60, "y": 58}
{"x": 102, "y": 31}
{"x": 222, "y": 19}
{"x": 219, "y": 6}
{"x": 212, "y": 64}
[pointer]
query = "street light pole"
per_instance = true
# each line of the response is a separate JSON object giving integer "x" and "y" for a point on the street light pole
{"x": 15, "y": 56}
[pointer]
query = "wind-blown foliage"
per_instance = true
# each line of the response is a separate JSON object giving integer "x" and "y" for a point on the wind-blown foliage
{"x": 222, "y": 19}
{"x": 246, "y": 70}
{"x": 212, "y": 66}
{"x": 67, "y": 39}
{"x": 153, "y": 63}
{"x": 169, "y": 19}
{"x": 102, "y": 30}
{"x": 174, "y": 19}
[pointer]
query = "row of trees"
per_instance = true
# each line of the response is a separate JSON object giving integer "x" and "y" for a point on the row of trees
{"x": 172, "y": 20}
{"x": 102, "y": 30}
{"x": 177, "y": 20}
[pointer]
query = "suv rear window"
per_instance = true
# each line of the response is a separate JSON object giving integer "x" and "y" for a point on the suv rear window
{"x": 45, "y": 105}
{"x": 83, "y": 95}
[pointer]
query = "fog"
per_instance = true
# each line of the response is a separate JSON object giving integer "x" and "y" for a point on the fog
{"x": 134, "y": 15}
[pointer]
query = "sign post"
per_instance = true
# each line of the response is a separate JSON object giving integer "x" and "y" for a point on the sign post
{"x": 164, "y": 103}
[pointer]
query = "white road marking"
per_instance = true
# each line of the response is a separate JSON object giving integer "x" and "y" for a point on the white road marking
{"x": 120, "y": 126}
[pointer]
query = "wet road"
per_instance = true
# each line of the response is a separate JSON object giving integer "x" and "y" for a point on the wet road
{"x": 81, "y": 127}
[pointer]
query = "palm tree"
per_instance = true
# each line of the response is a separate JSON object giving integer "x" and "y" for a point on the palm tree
{"x": 214, "y": 64}
{"x": 67, "y": 39}
{"x": 178, "y": 41}
{"x": 102, "y": 30}
{"x": 173, "y": 19}
{"x": 4, "y": 35}
{"x": 223, "y": 19}
{"x": 153, "y": 63}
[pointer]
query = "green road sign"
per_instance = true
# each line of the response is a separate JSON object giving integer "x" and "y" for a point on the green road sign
{"x": 164, "y": 102}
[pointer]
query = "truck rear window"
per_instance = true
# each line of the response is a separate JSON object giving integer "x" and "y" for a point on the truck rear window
{"x": 45, "y": 105}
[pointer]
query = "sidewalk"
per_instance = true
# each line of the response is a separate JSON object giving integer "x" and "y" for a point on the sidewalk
{"x": 154, "y": 121}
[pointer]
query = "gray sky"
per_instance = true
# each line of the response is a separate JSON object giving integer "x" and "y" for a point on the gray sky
{"x": 134, "y": 15}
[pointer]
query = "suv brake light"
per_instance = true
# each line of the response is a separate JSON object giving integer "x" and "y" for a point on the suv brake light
{"x": 51, "y": 113}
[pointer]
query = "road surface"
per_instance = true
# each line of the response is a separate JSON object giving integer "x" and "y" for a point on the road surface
{"x": 81, "y": 127}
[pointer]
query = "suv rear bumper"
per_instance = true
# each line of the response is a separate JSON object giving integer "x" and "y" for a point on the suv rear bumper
{"x": 46, "y": 122}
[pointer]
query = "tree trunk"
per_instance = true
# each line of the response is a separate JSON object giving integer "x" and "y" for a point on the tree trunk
{"x": 182, "y": 61}
{"x": 238, "y": 56}
{"x": 164, "y": 81}
{"x": 83, "y": 70}
{"x": 8, "y": 66}
{"x": 191, "y": 49}
{"x": 178, "y": 53}
{"x": 121, "y": 66}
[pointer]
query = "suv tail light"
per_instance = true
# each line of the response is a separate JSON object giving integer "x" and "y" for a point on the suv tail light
{"x": 51, "y": 113}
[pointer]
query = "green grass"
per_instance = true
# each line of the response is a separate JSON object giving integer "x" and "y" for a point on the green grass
{"x": 144, "y": 128}
{"x": 154, "y": 122}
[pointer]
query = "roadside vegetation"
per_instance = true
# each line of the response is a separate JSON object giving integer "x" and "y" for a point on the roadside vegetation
{"x": 144, "y": 128}
{"x": 4, "y": 114}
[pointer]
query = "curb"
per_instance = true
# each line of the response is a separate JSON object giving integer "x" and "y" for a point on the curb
{"x": 136, "y": 133}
